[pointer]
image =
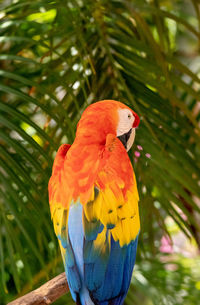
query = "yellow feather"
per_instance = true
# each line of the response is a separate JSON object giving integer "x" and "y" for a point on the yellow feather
{"x": 100, "y": 244}
{"x": 62, "y": 250}
{"x": 125, "y": 210}
{"x": 128, "y": 224}
{"x": 109, "y": 211}
{"x": 116, "y": 232}
{"x": 92, "y": 209}
{"x": 60, "y": 218}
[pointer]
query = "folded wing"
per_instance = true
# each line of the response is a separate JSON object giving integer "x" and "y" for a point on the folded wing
{"x": 97, "y": 234}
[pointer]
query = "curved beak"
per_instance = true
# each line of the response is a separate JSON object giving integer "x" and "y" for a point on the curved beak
{"x": 127, "y": 138}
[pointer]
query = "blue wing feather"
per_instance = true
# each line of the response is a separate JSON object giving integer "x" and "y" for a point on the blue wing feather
{"x": 118, "y": 273}
{"x": 95, "y": 263}
{"x": 104, "y": 275}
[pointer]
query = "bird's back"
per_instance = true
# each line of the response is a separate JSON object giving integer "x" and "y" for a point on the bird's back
{"x": 94, "y": 206}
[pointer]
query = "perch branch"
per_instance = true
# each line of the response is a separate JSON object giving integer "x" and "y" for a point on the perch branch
{"x": 46, "y": 294}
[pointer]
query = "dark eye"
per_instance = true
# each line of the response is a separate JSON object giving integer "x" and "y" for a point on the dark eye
{"x": 129, "y": 116}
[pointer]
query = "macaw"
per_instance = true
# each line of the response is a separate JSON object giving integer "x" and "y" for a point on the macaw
{"x": 94, "y": 204}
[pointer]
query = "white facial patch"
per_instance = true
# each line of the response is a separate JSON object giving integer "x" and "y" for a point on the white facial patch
{"x": 126, "y": 120}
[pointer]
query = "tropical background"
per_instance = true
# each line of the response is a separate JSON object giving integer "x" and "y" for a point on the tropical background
{"x": 57, "y": 57}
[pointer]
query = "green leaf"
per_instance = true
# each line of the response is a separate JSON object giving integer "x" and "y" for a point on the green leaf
{"x": 56, "y": 59}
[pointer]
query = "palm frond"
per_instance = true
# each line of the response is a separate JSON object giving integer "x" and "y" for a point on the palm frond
{"x": 57, "y": 58}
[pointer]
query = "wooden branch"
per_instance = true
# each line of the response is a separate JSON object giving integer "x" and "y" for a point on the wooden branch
{"x": 46, "y": 294}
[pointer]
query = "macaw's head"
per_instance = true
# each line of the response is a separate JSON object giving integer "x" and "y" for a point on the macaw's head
{"x": 107, "y": 117}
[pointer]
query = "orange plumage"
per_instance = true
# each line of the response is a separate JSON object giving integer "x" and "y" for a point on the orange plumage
{"x": 79, "y": 168}
{"x": 95, "y": 171}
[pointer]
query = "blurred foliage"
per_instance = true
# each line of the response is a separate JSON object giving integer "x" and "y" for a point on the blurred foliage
{"x": 56, "y": 57}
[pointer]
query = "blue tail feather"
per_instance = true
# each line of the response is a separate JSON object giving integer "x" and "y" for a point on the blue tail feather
{"x": 97, "y": 276}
